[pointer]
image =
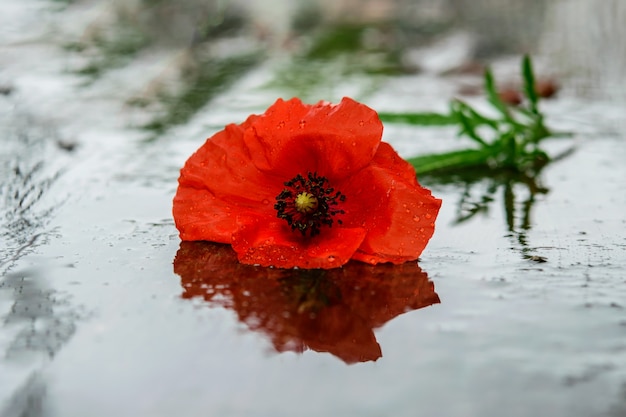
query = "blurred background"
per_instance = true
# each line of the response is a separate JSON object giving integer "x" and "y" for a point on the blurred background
{"x": 191, "y": 49}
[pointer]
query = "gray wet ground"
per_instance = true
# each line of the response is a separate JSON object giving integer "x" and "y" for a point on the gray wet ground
{"x": 93, "y": 322}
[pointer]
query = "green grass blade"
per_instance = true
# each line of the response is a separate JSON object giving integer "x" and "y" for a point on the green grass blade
{"x": 494, "y": 98}
{"x": 468, "y": 127}
{"x": 474, "y": 115}
{"x": 451, "y": 161}
{"x": 419, "y": 119}
{"x": 529, "y": 84}
{"x": 518, "y": 132}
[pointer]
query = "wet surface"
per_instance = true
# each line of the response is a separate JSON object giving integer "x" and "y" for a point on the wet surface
{"x": 103, "y": 311}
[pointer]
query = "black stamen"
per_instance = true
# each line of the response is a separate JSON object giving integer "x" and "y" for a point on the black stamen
{"x": 309, "y": 221}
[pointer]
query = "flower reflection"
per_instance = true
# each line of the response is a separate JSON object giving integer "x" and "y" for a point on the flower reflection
{"x": 331, "y": 311}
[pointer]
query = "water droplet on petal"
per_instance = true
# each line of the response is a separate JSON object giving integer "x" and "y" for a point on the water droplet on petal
{"x": 302, "y": 124}
{"x": 331, "y": 258}
{"x": 416, "y": 218}
{"x": 280, "y": 125}
{"x": 266, "y": 201}
{"x": 428, "y": 215}
{"x": 361, "y": 123}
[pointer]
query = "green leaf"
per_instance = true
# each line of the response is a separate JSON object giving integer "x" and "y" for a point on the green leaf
{"x": 529, "y": 84}
{"x": 517, "y": 133}
{"x": 474, "y": 115}
{"x": 451, "y": 161}
{"x": 494, "y": 98}
{"x": 467, "y": 125}
{"x": 419, "y": 119}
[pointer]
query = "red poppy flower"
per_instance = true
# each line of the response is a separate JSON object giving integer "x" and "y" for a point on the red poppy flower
{"x": 333, "y": 311}
{"x": 308, "y": 186}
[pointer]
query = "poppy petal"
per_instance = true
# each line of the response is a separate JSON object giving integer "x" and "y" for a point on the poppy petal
{"x": 199, "y": 215}
{"x": 334, "y": 140}
{"x": 400, "y": 215}
{"x": 217, "y": 179}
{"x": 270, "y": 243}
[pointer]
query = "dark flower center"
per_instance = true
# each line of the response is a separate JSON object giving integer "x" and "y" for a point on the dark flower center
{"x": 308, "y": 203}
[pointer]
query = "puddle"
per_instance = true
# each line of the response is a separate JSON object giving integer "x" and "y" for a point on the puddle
{"x": 516, "y": 307}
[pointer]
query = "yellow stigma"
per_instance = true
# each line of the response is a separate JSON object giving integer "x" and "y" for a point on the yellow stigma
{"x": 306, "y": 202}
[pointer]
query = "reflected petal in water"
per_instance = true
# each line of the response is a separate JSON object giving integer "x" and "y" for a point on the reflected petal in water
{"x": 331, "y": 311}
